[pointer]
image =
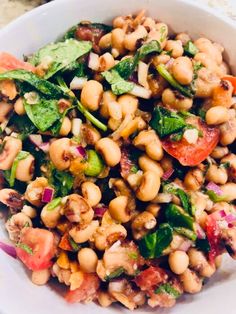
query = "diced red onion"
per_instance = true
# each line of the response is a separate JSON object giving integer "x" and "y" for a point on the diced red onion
{"x": 8, "y": 249}
{"x": 218, "y": 215}
{"x": 81, "y": 150}
{"x": 78, "y": 83}
{"x": 93, "y": 61}
{"x": 200, "y": 232}
{"x": 214, "y": 187}
{"x": 100, "y": 211}
{"x": 231, "y": 225}
{"x": 44, "y": 147}
{"x": 141, "y": 92}
{"x": 47, "y": 195}
{"x": 185, "y": 246}
{"x": 168, "y": 174}
{"x": 230, "y": 218}
{"x": 36, "y": 139}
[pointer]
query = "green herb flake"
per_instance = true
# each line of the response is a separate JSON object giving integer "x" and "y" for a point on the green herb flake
{"x": 225, "y": 165}
{"x": 118, "y": 85}
{"x": 115, "y": 274}
{"x": 191, "y": 235}
{"x": 54, "y": 203}
{"x": 25, "y": 247}
{"x": 133, "y": 255}
{"x": 75, "y": 246}
{"x": 216, "y": 198}
{"x": 177, "y": 218}
{"x": 190, "y": 49}
{"x": 168, "y": 289}
{"x": 62, "y": 181}
{"x": 20, "y": 156}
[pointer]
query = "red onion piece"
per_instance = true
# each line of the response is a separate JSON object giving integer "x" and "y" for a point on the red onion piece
{"x": 168, "y": 174}
{"x": 100, "y": 211}
{"x": 214, "y": 187}
{"x": 44, "y": 147}
{"x": 36, "y": 139}
{"x": 218, "y": 215}
{"x": 200, "y": 232}
{"x": 185, "y": 246}
{"x": 231, "y": 225}
{"x": 8, "y": 249}
{"x": 81, "y": 151}
{"x": 230, "y": 218}
{"x": 47, "y": 195}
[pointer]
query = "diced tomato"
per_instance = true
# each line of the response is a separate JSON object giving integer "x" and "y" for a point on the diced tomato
{"x": 150, "y": 278}
{"x": 65, "y": 243}
{"x": 9, "y": 62}
{"x": 41, "y": 243}
{"x": 193, "y": 154}
{"x": 87, "y": 291}
{"x": 213, "y": 236}
{"x": 232, "y": 80}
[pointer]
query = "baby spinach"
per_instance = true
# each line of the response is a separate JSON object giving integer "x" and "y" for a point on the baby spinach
{"x": 177, "y": 219}
{"x": 23, "y": 124}
{"x": 153, "y": 244}
{"x": 168, "y": 289}
{"x": 60, "y": 55}
{"x": 118, "y": 85}
{"x": 166, "y": 122}
{"x": 190, "y": 49}
{"x": 43, "y": 114}
{"x": 45, "y": 87}
{"x": 62, "y": 182}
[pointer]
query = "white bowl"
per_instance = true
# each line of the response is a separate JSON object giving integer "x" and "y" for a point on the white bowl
{"x": 40, "y": 26}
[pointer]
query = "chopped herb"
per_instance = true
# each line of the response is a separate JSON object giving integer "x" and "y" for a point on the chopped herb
{"x": 25, "y": 247}
{"x": 163, "y": 33}
{"x": 191, "y": 235}
{"x": 62, "y": 182}
{"x": 134, "y": 169}
{"x": 115, "y": 274}
{"x": 21, "y": 155}
{"x": 24, "y": 125}
{"x": 197, "y": 66}
{"x": 133, "y": 255}
{"x": 203, "y": 245}
{"x": 186, "y": 91}
{"x": 168, "y": 289}
{"x": 2, "y": 145}
{"x": 54, "y": 203}
{"x": 202, "y": 113}
{"x": 176, "y": 137}
{"x": 166, "y": 122}
{"x": 225, "y": 165}
{"x": 75, "y": 246}
{"x": 190, "y": 49}
{"x": 177, "y": 218}
{"x": 118, "y": 85}
{"x": 216, "y": 198}
{"x": 95, "y": 164}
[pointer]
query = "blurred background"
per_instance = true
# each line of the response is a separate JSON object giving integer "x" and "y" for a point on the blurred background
{"x": 11, "y": 9}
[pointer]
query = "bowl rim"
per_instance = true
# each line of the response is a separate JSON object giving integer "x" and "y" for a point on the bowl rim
{"x": 43, "y": 8}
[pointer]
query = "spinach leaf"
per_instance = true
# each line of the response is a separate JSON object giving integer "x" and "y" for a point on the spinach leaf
{"x": 190, "y": 49}
{"x": 20, "y": 156}
{"x": 60, "y": 55}
{"x": 23, "y": 124}
{"x": 62, "y": 182}
{"x": 147, "y": 48}
{"x": 178, "y": 219}
{"x": 41, "y": 85}
{"x": 70, "y": 33}
{"x": 185, "y": 90}
{"x": 43, "y": 114}
{"x": 168, "y": 289}
{"x": 166, "y": 122}
{"x": 118, "y": 85}
{"x": 203, "y": 245}
{"x": 153, "y": 244}
{"x": 183, "y": 196}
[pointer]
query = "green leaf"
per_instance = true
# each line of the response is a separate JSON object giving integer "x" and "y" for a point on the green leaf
{"x": 153, "y": 244}
{"x": 183, "y": 196}
{"x": 95, "y": 164}
{"x": 45, "y": 87}
{"x": 168, "y": 289}
{"x": 118, "y": 85}
{"x": 43, "y": 114}
{"x": 147, "y": 48}
{"x": 20, "y": 156}
{"x": 115, "y": 274}
{"x": 25, "y": 247}
{"x": 203, "y": 245}
{"x": 186, "y": 91}
{"x": 191, "y": 235}
{"x": 178, "y": 219}
{"x": 54, "y": 203}
{"x": 23, "y": 124}
{"x": 62, "y": 182}
{"x": 70, "y": 33}
{"x": 166, "y": 122}
{"x": 60, "y": 55}
{"x": 216, "y": 198}
{"x": 190, "y": 49}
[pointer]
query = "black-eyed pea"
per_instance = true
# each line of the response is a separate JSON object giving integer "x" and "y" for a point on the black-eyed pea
{"x": 218, "y": 261}
{"x": 117, "y": 42}
{"x": 115, "y": 111}
{"x": 91, "y": 95}
{"x": 9, "y": 152}
{"x": 40, "y": 277}
{"x": 19, "y": 107}
{"x": 229, "y": 191}
{"x": 149, "y": 186}
{"x": 105, "y": 41}
{"x": 175, "y": 47}
{"x": 194, "y": 179}
{"x": 88, "y": 260}
{"x": 119, "y": 22}
{"x": 219, "y": 152}
{"x": 107, "y": 235}
{"x": 217, "y": 115}
{"x": 200, "y": 264}
{"x": 213, "y": 50}
{"x": 104, "y": 298}
{"x": 191, "y": 282}
{"x": 205, "y": 83}
{"x": 160, "y": 59}
{"x": 107, "y": 97}
{"x": 228, "y": 132}
{"x": 81, "y": 234}
{"x": 50, "y": 218}
{"x": 182, "y": 70}
{"x": 217, "y": 174}
{"x": 109, "y": 150}
{"x": 25, "y": 169}
{"x": 34, "y": 190}
{"x": 72, "y": 209}
{"x": 89, "y": 134}
{"x": 183, "y": 37}
{"x": 131, "y": 39}
{"x": 119, "y": 209}
{"x": 91, "y": 192}
{"x": 146, "y": 163}
{"x": 178, "y": 262}
{"x": 128, "y": 103}
{"x": 15, "y": 224}
{"x": 142, "y": 224}
{"x": 59, "y": 153}
{"x": 175, "y": 100}
{"x": 65, "y": 127}
{"x": 106, "y": 62}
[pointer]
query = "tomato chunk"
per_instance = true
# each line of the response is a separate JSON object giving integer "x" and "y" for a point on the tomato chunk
{"x": 150, "y": 278}
{"x": 232, "y": 80}
{"x": 36, "y": 248}
{"x": 9, "y": 62}
{"x": 213, "y": 236}
{"x": 86, "y": 292}
{"x": 65, "y": 243}
{"x": 193, "y": 154}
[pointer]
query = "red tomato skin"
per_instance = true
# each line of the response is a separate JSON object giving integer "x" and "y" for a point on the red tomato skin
{"x": 232, "y": 80}
{"x": 41, "y": 242}
{"x": 87, "y": 291}
{"x": 9, "y": 62}
{"x": 193, "y": 154}
{"x": 213, "y": 236}
{"x": 150, "y": 278}
{"x": 65, "y": 243}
